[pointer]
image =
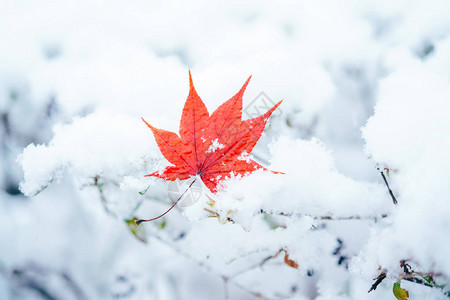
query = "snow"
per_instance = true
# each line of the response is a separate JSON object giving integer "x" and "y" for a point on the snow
{"x": 99, "y": 144}
{"x": 363, "y": 84}
{"x": 214, "y": 146}
{"x": 415, "y": 141}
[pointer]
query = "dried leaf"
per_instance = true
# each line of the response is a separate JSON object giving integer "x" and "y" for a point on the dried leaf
{"x": 289, "y": 261}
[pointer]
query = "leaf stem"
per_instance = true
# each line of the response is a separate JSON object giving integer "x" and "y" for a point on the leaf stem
{"x": 137, "y": 222}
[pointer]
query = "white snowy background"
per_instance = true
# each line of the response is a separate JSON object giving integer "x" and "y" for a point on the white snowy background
{"x": 365, "y": 84}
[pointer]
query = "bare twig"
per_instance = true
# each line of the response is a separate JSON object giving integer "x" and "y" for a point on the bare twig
{"x": 225, "y": 288}
{"x": 387, "y": 185}
{"x": 102, "y": 197}
{"x": 379, "y": 279}
{"x": 257, "y": 265}
{"x": 330, "y": 218}
{"x": 226, "y": 279}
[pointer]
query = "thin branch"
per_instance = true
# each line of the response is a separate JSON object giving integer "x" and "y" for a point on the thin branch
{"x": 418, "y": 281}
{"x": 425, "y": 279}
{"x": 208, "y": 268}
{"x": 225, "y": 288}
{"x": 173, "y": 205}
{"x": 375, "y": 218}
{"x": 409, "y": 275}
{"x": 379, "y": 279}
{"x": 102, "y": 197}
{"x": 257, "y": 265}
{"x": 387, "y": 185}
{"x": 325, "y": 218}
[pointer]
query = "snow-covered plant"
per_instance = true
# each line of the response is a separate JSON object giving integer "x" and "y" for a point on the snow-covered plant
{"x": 243, "y": 224}
{"x": 344, "y": 192}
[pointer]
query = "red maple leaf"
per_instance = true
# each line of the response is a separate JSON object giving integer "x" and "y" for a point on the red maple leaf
{"x": 214, "y": 146}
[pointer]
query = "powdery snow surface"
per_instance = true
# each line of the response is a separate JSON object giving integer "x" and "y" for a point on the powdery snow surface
{"x": 410, "y": 133}
{"x": 214, "y": 146}
{"x": 365, "y": 84}
{"x": 102, "y": 144}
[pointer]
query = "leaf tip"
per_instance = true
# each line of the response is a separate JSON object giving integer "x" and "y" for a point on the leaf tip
{"x": 191, "y": 83}
{"x": 270, "y": 111}
{"x": 245, "y": 85}
{"x": 150, "y": 126}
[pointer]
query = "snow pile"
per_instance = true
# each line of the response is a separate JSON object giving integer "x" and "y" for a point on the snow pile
{"x": 100, "y": 144}
{"x": 310, "y": 185}
{"x": 409, "y": 132}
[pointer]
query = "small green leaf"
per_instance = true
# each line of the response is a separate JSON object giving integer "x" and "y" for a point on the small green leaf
{"x": 142, "y": 193}
{"x": 163, "y": 224}
{"x": 427, "y": 279}
{"x": 399, "y": 293}
{"x": 138, "y": 231}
